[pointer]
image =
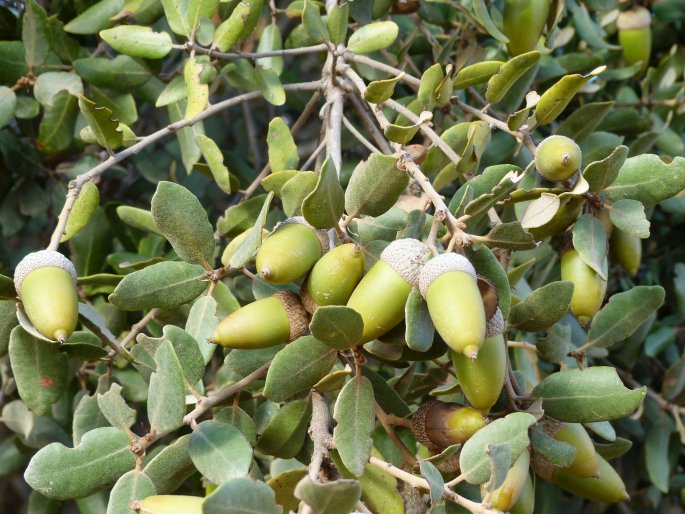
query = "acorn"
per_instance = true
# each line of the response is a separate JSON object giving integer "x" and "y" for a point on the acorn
{"x": 558, "y": 158}
{"x": 626, "y": 249}
{"x": 526, "y": 502}
{"x": 481, "y": 379}
{"x": 334, "y": 277}
{"x": 449, "y": 286}
{"x": 277, "y": 319}
{"x": 589, "y": 287}
{"x": 506, "y": 495}
{"x": 606, "y": 488}
{"x": 45, "y": 282}
{"x": 584, "y": 464}
{"x": 437, "y": 425}
{"x": 524, "y": 21}
{"x": 635, "y": 35}
{"x": 290, "y": 251}
{"x": 381, "y": 295}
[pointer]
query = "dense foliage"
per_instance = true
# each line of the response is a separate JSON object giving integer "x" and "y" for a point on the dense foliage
{"x": 373, "y": 256}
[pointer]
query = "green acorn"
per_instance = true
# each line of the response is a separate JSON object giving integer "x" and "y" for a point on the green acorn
{"x": 635, "y": 35}
{"x": 290, "y": 251}
{"x": 558, "y": 158}
{"x": 526, "y": 502}
{"x": 334, "y": 277}
{"x": 584, "y": 464}
{"x": 506, "y": 495}
{"x": 482, "y": 379}
{"x": 267, "y": 322}
{"x": 524, "y": 21}
{"x": 626, "y": 249}
{"x": 449, "y": 286}
{"x": 437, "y": 425}
{"x": 607, "y": 487}
{"x": 589, "y": 287}
{"x": 381, "y": 295}
{"x": 46, "y": 284}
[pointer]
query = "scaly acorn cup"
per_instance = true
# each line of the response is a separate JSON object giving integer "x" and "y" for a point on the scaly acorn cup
{"x": 334, "y": 277}
{"x": 558, "y": 158}
{"x": 524, "y": 21}
{"x": 588, "y": 286}
{"x": 626, "y": 249}
{"x": 584, "y": 464}
{"x": 277, "y": 319}
{"x": 504, "y": 497}
{"x": 606, "y": 488}
{"x": 437, "y": 425}
{"x": 448, "y": 284}
{"x": 526, "y": 502}
{"x": 635, "y": 35}
{"x": 381, "y": 295}
{"x": 46, "y": 285}
{"x": 290, "y": 251}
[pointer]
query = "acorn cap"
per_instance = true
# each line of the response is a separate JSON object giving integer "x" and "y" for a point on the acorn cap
{"x": 41, "y": 259}
{"x": 297, "y": 315}
{"x": 442, "y": 264}
{"x": 406, "y": 257}
{"x": 490, "y": 296}
{"x": 634, "y": 19}
{"x": 418, "y": 425}
{"x": 307, "y": 301}
{"x": 321, "y": 234}
{"x": 495, "y": 324}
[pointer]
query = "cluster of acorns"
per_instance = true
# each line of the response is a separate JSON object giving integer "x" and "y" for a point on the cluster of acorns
{"x": 438, "y": 425}
{"x": 462, "y": 306}
{"x": 558, "y": 159}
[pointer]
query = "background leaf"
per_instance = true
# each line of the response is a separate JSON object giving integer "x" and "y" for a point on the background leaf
{"x": 219, "y": 451}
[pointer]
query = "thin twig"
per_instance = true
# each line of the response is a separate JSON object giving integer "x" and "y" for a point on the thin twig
{"x": 372, "y": 63}
{"x": 136, "y": 328}
{"x": 253, "y": 55}
{"x": 422, "y": 483}
{"x": 522, "y": 344}
{"x": 428, "y": 131}
{"x": 313, "y": 156}
{"x": 370, "y": 125}
{"x": 521, "y": 136}
{"x": 360, "y": 137}
{"x": 76, "y": 184}
{"x": 223, "y": 394}
{"x": 408, "y": 456}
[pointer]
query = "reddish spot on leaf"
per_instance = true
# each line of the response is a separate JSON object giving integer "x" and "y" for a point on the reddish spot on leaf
{"x": 47, "y": 381}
